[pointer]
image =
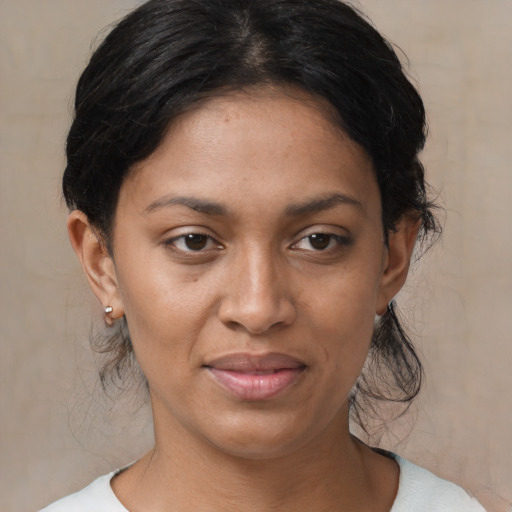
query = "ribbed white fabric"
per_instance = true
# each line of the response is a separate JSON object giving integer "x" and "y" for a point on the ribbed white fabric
{"x": 420, "y": 490}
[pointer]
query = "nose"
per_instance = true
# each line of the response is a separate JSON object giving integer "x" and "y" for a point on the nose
{"x": 257, "y": 296}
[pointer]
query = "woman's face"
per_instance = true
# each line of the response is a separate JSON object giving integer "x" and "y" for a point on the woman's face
{"x": 249, "y": 261}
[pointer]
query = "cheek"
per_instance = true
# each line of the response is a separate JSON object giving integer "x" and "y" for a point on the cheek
{"x": 348, "y": 298}
{"x": 343, "y": 318}
{"x": 165, "y": 309}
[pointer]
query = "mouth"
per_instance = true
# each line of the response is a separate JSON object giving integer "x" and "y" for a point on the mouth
{"x": 255, "y": 377}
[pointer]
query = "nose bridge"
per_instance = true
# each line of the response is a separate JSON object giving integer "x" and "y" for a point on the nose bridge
{"x": 258, "y": 298}
{"x": 259, "y": 266}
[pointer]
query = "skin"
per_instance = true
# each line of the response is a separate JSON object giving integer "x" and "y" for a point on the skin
{"x": 272, "y": 171}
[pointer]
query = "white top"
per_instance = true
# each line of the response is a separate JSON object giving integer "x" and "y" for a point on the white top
{"x": 418, "y": 491}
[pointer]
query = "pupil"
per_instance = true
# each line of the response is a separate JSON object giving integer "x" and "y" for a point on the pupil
{"x": 195, "y": 242}
{"x": 319, "y": 241}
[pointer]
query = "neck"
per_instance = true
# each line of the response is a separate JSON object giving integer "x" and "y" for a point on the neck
{"x": 333, "y": 472}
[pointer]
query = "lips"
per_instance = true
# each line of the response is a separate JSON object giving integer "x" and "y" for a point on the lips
{"x": 255, "y": 377}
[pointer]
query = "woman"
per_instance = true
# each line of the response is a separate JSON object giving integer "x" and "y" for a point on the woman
{"x": 245, "y": 197}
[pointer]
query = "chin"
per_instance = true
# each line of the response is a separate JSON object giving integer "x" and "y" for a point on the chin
{"x": 257, "y": 448}
{"x": 263, "y": 437}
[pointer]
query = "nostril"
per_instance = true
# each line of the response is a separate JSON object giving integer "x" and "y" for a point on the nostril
{"x": 257, "y": 320}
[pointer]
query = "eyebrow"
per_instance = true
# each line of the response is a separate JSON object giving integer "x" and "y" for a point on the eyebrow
{"x": 294, "y": 210}
{"x": 199, "y": 205}
{"x": 322, "y": 203}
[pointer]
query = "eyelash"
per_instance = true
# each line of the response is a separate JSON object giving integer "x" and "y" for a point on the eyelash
{"x": 206, "y": 238}
{"x": 319, "y": 236}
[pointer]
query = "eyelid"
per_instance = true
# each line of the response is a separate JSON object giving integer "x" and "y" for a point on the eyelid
{"x": 343, "y": 239}
{"x": 323, "y": 229}
{"x": 171, "y": 240}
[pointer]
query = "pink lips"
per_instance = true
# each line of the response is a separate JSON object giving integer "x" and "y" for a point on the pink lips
{"x": 253, "y": 377}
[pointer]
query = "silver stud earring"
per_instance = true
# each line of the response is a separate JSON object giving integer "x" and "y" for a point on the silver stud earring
{"x": 109, "y": 310}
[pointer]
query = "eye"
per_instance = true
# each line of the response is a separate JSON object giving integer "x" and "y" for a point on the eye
{"x": 321, "y": 242}
{"x": 194, "y": 242}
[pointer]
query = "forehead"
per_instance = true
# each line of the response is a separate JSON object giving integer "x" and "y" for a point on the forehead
{"x": 271, "y": 145}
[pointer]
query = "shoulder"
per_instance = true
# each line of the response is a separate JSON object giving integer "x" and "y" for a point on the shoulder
{"x": 97, "y": 497}
{"x": 420, "y": 490}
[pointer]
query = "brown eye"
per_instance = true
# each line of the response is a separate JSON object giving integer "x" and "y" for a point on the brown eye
{"x": 319, "y": 241}
{"x": 195, "y": 241}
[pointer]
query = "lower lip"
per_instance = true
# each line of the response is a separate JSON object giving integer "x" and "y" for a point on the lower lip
{"x": 256, "y": 386}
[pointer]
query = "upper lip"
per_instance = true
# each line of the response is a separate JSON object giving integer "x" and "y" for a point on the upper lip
{"x": 245, "y": 362}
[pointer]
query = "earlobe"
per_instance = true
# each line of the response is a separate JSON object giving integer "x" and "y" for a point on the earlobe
{"x": 97, "y": 263}
{"x": 400, "y": 247}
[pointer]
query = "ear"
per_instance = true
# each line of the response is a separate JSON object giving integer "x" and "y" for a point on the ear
{"x": 96, "y": 262}
{"x": 396, "y": 264}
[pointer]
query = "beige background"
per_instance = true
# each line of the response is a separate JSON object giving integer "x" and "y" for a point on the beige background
{"x": 54, "y": 436}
